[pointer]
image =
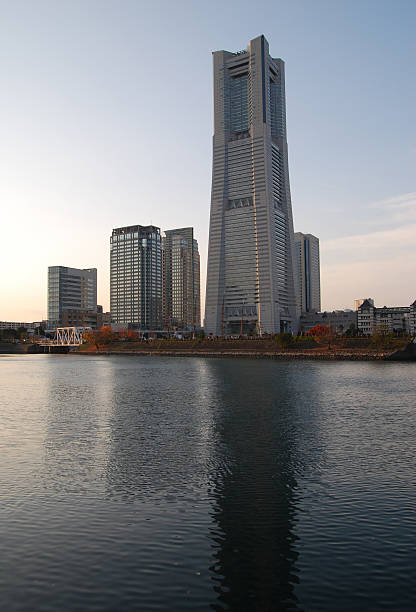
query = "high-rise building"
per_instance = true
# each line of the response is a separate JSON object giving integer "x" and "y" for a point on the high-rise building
{"x": 250, "y": 279}
{"x": 181, "y": 304}
{"x": 308, "y": 272}
{"x": 136, "y": 276}
{"x": 70, "y": 291}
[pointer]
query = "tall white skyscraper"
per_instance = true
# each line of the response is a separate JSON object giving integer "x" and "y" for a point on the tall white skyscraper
{"x": 308, "y": 272}
{"x": 250, "y": 279}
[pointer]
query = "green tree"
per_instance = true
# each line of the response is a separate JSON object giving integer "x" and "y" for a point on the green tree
{"x": 284, "y": 339}
{"x": 22, "y": 333}
{"x": 381, "y": 336}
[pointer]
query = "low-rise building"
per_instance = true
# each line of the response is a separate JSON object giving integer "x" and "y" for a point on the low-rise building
{"x": 339, "y": 320}
{"x": 412, "y": 319}
{"x": 18, "y": 324}
{"x": 395, "y": 319}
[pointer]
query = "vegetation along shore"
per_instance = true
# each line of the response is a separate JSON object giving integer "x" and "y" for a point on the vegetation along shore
{"x": 281, "y": 346}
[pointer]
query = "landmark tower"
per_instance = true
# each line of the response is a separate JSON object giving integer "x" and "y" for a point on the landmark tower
{"x": 251, "y": 275}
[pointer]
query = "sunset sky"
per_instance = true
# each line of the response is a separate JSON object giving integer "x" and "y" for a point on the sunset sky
{"x": 106, "y": 120}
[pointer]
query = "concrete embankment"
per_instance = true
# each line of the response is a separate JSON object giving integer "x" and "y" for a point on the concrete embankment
{"x": 11, "y": 348}
{"x": 278, "y": 355}
{"x": 407, "y": 353}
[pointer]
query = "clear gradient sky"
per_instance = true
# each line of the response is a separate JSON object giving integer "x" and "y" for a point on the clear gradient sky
{"x": 106, "y": 120}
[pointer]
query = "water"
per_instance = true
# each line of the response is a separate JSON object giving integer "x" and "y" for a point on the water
{"x": 132, "y": 483}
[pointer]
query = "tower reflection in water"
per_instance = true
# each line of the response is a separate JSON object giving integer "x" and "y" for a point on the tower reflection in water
{"x": 262, "y": 422}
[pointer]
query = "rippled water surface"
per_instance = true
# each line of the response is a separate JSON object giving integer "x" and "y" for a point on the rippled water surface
{"x": 132, "y": 483}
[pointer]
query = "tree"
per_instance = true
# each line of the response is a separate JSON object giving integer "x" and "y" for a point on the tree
{"x": 93, "y": 337}
{"x": 381, "y": 336}
{"x": 9, "y": 334}
{"x": 284, "y": 339}
{"x": 351, "y": 331}
{"x": 322, "y": 334}
{"x": 22, "y": 333}
{"x": 107, "y": 334}
{"x": 319, "y": 331}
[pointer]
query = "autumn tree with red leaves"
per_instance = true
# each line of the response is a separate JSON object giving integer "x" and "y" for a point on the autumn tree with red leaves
{"x": 322, "y": 333}
{"x": 105, "y": 335}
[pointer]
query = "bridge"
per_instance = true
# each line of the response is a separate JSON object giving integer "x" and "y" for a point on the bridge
{"x": 69, "y": 337}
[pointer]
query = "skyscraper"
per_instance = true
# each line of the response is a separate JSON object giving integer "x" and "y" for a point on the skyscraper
{"x": 136, "y": 276}
{"x": 250, "y": 279}
{"x": 182, "y": 306}
{"x": 308, "y": 272}
{"x": 72, "y": 296}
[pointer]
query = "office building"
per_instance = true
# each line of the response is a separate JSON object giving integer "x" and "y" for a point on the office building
{"x": 308, "y": 273}
{"x": 70, "y": 291}
{"x": 181, "y": 285}
{"x": 136, "y": 276}
{"x": 250, "y": 278}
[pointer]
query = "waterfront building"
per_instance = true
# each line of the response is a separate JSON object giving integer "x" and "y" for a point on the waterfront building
{"x": 136, "y": 276}
{"x": 394, "y": 319}
{"x": 308, "y": 272}
{"x": 340, "y": 320}
{"x": 412, "y": 319}
{"x": 357, "y": 303}
{"x": 250, "y": 277}
{"x": 70, "y": 290}
{"x": 181, "y": 285}
{"x": 18, "y": 324}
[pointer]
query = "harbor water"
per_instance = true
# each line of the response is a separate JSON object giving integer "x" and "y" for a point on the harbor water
{"x": 158, "y": 483}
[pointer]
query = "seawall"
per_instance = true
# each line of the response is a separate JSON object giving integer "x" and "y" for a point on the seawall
{"x": 278, "y": 355}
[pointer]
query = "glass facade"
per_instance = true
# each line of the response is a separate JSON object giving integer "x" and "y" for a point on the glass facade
{"x": 70, "y": 290}
{"x": 181, "y": 280}
{"x": 239, "y": 104}
{"x": 136, "y": 276}
{"x": 308, "y": 272}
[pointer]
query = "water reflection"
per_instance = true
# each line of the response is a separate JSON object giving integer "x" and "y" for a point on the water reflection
{"x": 190, "y": 484}
{"x": 161, "y": 431}
{"x": 76, "y": 423}
{"x": 259, "y": 426}
{"x": 207, "y": 454}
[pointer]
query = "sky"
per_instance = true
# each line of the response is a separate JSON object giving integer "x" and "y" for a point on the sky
{"x": 106, "y": 120}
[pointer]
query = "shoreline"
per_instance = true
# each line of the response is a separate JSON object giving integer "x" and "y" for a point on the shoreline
{"x": 403, "y": 353}
{"x": 278, "y": 355}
